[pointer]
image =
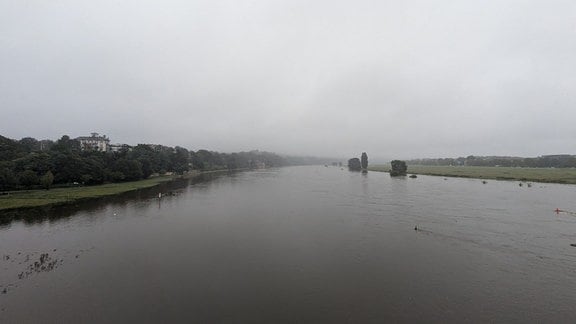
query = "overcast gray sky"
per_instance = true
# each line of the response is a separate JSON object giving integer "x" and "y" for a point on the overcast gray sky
{"x": 398, "y": 79}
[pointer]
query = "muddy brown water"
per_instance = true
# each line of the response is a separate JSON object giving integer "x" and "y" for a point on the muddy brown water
{"x": 297, "y": 245}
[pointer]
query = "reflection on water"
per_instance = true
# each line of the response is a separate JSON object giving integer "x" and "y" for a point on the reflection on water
{"x": 40, "y": 215}
{"x": 301, "y": 244}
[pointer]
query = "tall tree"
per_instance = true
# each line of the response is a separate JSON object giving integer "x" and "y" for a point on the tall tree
{"x": 364, "y": 161}
{"x": 180, "y": 160}
{"x": 30, "y": 144}
{"x": 66, "y": 144}
{"x": 46, "y": 180}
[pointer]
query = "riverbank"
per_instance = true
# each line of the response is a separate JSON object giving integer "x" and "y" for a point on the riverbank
{"x": 60, "y": 196}
{"x": 549, "y": 175}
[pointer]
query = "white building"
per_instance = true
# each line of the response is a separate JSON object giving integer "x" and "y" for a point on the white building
{"x": 94, "y": 142}
{"x": 119, "y": 147}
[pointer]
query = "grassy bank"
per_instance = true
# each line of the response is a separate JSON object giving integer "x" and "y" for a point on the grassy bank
{"x": 37, "y": 198}
{"x": 552, "y": 175}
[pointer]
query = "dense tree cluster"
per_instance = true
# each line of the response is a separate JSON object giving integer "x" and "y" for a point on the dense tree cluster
{"x": 354, "y": 164}
{"x": 546, "y": 161}
{"x": 399, "y": 168}
{"x": 29, "y": 163}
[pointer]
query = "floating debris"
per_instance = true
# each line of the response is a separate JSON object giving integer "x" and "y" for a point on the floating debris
{"x": 45, "y": 263}
{"x": 484, "y": 181}
{"x": 33, "y": 263}
{"x": 558, "y": 211}
{"x": 413, "y": 176}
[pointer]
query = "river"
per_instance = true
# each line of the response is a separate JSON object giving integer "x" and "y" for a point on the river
{"x": 307, "y": 244}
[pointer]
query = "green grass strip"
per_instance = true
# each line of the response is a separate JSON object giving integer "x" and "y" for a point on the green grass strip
{"x": 36, "y": 198}
{"x": 550, "y": 175}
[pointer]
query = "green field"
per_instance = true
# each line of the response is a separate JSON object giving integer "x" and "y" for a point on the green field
{"x": 36, "y": 198}
{"x": 552, "y": 175}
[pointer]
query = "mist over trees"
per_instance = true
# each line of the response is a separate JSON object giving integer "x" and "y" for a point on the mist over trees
{"x": 29, "y": 163}
{"x": 545, "y": 161}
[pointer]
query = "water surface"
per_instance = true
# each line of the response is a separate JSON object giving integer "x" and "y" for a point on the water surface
{"x": 298, "y": 245}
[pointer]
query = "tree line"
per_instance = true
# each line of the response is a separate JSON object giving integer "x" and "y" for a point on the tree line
{"x": 29, "y": 163}
{"x": 545, "y": 161}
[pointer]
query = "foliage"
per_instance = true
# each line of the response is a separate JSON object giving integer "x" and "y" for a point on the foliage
{"x": 25, "y": 164}
{"x": 46, "y": 180}
{"x": 66, "y": 144}
{"x": 555, "y": 175}
{"x": 354, "y": 164}
{"x": 398, "y": 168}
{"x": 127, "y": 170}
{"x": 9, "y": 149}
{"x": 28, "y": 178}
{"x": 8, "y": 178}
{"x": 546, "y": 161}
{"x": 29, "y": 144}
{"x": 364, "y": 160}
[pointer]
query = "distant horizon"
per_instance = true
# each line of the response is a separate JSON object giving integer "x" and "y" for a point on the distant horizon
{"x": 373, "y": 160}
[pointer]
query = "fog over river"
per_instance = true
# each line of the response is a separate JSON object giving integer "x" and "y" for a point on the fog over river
{"x": 308, "y": 244}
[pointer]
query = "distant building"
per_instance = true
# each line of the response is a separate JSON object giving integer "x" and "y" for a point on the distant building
{"x": 94, "y": 142}
{"x": 119, "y": 148}
{"x": 45, "y": 145}
{"x": 258, "y": 164}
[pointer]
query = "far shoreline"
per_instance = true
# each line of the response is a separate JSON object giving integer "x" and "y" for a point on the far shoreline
{"x": 542, "y": 175}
